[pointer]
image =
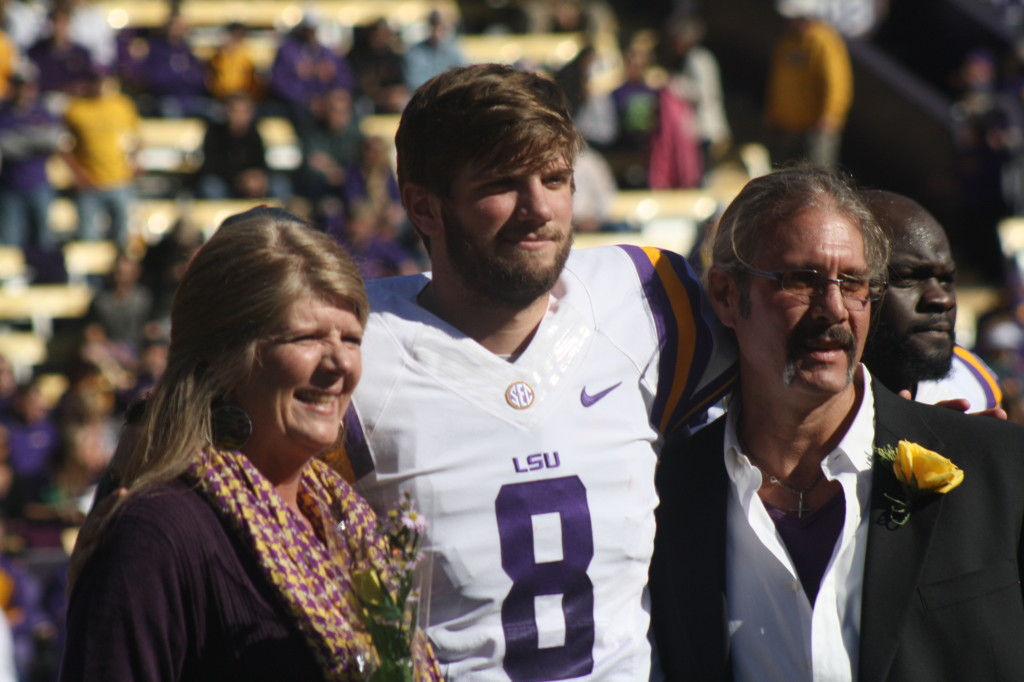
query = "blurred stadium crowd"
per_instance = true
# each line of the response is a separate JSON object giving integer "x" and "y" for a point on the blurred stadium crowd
{"x": 128, "y": 130}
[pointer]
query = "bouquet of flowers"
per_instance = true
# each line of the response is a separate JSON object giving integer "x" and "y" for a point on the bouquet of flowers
{"x": 388, "y": 597}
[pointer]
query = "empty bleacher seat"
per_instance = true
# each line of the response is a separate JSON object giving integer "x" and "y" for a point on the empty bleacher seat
{"x": 548, "y": 51}
{"x": 24, "y": 350}
{"x": 40, "y": 304}
{"x": 174, "y": 145}
{"x": 83, "y": 259}
{"x": 12, "y": 263}
{"x": 170, "y": 144}
{"x": 552, "y": 50}
{"x": 154, "y": 217}
{"x": 380, "y": 125}
{"x": 668, "y": 219}
{"x": 642, "y": 206}
{"x": 269, "y": 13}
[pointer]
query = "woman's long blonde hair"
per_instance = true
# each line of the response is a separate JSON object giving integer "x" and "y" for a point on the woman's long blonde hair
{"x": 237, "y": 288}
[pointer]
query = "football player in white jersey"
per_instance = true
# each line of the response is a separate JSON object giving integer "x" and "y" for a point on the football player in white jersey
{"x": 521, "y": 390}
{"x": 912, "y": 345}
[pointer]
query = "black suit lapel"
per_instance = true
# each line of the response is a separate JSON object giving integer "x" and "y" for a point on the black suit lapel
{"x": 688, "y": 571}
{"x": 894, "y": 553}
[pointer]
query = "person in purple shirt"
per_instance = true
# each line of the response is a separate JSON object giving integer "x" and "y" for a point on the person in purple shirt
{"x": 33, "y": 436}
{"x": 374, "y": 254}
{"x": 29, "y": 134}
{"x": 23, "y": 602}
{"x": 62, "y": 63}
{"x": 636, "y": 109}
{"x": 304, "y": 69}
{"x": 173, "y": 76}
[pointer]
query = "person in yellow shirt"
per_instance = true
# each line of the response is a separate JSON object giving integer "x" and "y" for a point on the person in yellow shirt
{"x": 231, "y": 69}
{"x": 105, "y": 126}
{"x": 8, "y": 62}
{"x": 810, "y": 88}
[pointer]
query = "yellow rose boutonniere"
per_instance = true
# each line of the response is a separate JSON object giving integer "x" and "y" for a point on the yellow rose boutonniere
{"x": 919, "y": 472}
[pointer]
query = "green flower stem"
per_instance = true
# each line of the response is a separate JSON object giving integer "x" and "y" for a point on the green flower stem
{"x": 899, "y": 511}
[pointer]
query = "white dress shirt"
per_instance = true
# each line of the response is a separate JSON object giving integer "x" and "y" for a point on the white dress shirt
{"x": 775, "y": 633}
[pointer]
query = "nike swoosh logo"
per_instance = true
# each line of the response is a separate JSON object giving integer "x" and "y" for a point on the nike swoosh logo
{"x": 589, "y": 400}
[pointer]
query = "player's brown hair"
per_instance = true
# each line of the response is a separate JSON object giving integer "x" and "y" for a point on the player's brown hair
{"x": 492, "y": 116}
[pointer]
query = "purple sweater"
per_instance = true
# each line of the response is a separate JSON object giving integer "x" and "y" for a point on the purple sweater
{"x": 172, "y": 70}
{"x": 171, "y": 595}
{"x": 59, "y": 68}
{"x": 302, "y": 71}
{"x": 27, "y": 139}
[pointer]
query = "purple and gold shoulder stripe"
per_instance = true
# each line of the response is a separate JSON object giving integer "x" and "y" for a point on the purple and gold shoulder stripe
{"x": 685, "y": 337}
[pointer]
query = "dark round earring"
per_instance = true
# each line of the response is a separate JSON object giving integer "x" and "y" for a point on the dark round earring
{"x": 232, "y": 427}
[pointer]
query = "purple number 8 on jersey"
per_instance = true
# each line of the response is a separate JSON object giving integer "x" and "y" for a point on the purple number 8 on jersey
{"x": 516, "y": 505}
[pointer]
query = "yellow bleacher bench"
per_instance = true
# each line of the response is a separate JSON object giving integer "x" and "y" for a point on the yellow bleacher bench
{"x": 12, "y": 263}
{"x": 88, "y": 258}
{"x": 971, "y": 303}
{"x": 380, "y": 125}
{"x": 185, "y": 134}
{"x": 63, "y": 216}
{"x": 50, "y": 300}
{"x": 40, "y": 304}
{"x": 174, "y": 144}
{"x": 52, "y": 386}
{"x": 277, "y": 132}
{"x": 281, "y": 142}
{"x": 1011, "y": 236}
{"x": 270, "y": 13}
{"x": 543, "y": 49}
{"x": 154, "y": 217}
{"x": 641, "y": 206}
{"x": 668, "y": 219}
{"x": 548, "y": 51}
{"x": 209, "y": 214}
{"x": 24, "y": 350}
{"x": 150, "y": 219}
{"x": 170, "y": 144}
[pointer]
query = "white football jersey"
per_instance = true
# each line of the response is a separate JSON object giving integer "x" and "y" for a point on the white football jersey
{"x": 537, "y": 476}
{"x": 969, "y": 377}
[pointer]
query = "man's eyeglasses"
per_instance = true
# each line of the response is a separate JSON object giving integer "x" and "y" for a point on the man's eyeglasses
{"x": 856, "y": 291}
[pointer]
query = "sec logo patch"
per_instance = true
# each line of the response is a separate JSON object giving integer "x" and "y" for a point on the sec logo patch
{"x": 519, "y": 395}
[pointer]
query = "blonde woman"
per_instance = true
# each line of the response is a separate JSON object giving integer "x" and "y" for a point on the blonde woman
{"x": 232, "y": 554}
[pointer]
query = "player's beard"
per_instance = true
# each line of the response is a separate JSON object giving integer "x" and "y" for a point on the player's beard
{"x": 514, "y": 280}
{"x": 893, "y": 354}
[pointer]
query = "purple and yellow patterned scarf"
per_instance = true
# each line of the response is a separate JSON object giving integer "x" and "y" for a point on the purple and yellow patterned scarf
{"x": 309, "y": 571}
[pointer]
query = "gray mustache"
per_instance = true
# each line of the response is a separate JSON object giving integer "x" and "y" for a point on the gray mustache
{"x": 835, "y": 334}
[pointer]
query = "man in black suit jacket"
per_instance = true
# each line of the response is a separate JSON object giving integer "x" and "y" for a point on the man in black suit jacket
{"x": 779, "y": 552}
